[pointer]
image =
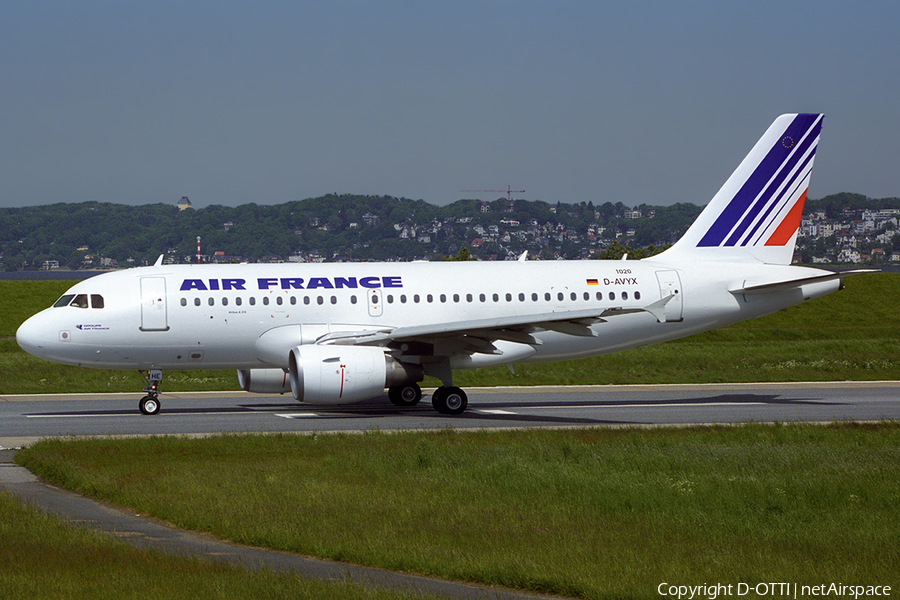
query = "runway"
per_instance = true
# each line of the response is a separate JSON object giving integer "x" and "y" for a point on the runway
{"x": 26, "y": 419}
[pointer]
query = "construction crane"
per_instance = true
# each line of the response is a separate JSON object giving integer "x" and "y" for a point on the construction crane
{"x": 509, "y": 192}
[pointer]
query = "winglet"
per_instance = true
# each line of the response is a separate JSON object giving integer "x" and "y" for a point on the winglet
{"x": 158, "y": 262}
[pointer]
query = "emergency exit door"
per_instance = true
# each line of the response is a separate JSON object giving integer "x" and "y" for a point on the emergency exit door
{"x": 670, "y": 285}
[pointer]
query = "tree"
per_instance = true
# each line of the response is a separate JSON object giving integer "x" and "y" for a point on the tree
{"x": 463, "y": 254}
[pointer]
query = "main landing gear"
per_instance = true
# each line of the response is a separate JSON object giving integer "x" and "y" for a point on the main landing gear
{"x": 149, "y": 404}
{"x": 405, "y": 395}
{"x": 447, "y": 400}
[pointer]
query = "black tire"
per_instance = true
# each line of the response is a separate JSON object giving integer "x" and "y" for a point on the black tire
{"x": 149, "y": 405}
{"x": 405, "y": 395}
{"x": 450, "y": 400}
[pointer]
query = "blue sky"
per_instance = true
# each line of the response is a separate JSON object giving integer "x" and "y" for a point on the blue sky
{"x": 267, "y": 102}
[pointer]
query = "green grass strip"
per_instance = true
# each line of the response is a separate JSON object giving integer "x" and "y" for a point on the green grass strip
{"x": 596, "y": 513}
{"x": 41, "y": 557}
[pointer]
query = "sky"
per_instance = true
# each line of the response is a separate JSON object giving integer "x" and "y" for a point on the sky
{"x": 636, "y": 102}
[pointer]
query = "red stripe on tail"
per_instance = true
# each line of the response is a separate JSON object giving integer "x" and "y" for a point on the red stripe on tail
{"x": 789, "y": 225}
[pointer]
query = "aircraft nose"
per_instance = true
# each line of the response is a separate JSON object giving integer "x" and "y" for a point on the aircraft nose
{"x": 32, "y": 337}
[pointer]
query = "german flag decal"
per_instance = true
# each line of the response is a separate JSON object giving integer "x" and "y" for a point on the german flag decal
{"x": 593, "y": 282}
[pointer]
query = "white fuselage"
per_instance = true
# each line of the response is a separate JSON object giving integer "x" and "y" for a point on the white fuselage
{"x": 247, "y": 316}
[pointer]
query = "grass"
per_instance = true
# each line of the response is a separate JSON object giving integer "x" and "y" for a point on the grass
{"x": 41, "y": 557}
{"x": 592, "y": 513}
{"x": 850, "y": 335}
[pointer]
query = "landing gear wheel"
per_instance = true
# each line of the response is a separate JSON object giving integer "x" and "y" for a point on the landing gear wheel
{"x": 405, "y": 395}
{"x": 449, "y": 400}
{"x": 149, "y": 405}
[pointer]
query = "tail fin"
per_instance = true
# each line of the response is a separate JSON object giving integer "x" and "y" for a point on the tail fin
{"x": 756, "y": 214}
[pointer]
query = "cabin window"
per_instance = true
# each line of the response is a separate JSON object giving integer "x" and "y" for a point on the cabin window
{"x": 573, "y": 296}
{"x": 560, "y": 296}
{"x": 587, "y": 296}
{"x": 402, "y": 298}
{"x": 482, "y": 297}
{"x": 320, "y": 300}
{"x": 599, "y": 295}
{"x": 334, "y": 299}
{"x": 305, "y": 299}
{"x": 534, "y": 297}
{"x": 496, "y": 297}
{"x": 624, "y": 295}
{"x": 353, "y": 299}
{"x": 224, "y": 301}
{"x": 521, "y": 297}
{"x": 456, "y": 297}
{"x": 212, "y": 301}
{"x": 266, "y": 300}
{"x": 416, "y": 298}
{"x": 184, "y": 301}
{"x": 238, "y": 301}
{"x": 252, "y": 300}
{"x": 547, "y": 296}
{"x": 196, "y": 301}
{"x": 390, "y": 298}
{"x": 469, "y": 298}
{"x": 637, "y": 295}
{"x": 612, "y": 295}
{"x": 293, "y": 300}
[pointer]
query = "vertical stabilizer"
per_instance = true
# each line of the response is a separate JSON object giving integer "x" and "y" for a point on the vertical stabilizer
{"x": 756, "y": 215}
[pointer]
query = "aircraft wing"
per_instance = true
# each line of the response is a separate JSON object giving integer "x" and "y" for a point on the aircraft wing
{"x": 513, "y": 328}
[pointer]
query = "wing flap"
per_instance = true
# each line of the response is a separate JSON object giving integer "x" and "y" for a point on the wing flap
{"x": 511, "y": 328}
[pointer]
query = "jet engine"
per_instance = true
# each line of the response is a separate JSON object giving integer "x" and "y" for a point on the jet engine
{"x": 264, "y": 381}
{"x": 323, "y": 374}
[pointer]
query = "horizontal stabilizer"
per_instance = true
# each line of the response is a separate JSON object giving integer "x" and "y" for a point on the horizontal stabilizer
{"x": 775, "y": 286}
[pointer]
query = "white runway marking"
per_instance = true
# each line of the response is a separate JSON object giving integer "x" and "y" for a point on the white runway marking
{"x": 64, "y": 416}
{"x": 296, "y": 415}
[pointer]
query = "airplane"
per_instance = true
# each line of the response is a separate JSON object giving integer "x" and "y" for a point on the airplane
{"x": 335, "y": 333}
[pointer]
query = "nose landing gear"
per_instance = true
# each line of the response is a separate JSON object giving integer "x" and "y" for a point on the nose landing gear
{"x": 149, "y": 404}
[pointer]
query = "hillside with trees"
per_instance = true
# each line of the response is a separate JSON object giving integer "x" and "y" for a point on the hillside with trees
{"x": 357, "y": 228}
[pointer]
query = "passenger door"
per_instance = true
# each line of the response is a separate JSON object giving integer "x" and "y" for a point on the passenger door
{"x": 154, "y": 316}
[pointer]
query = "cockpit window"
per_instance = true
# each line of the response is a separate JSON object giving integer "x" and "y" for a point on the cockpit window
{"x": 80, "y": 301}
{"x": 64, "y": 301}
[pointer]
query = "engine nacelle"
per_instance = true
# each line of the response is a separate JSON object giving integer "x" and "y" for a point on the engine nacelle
{"x": 323, "y": 374}
{"x": 264, "y": 381}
